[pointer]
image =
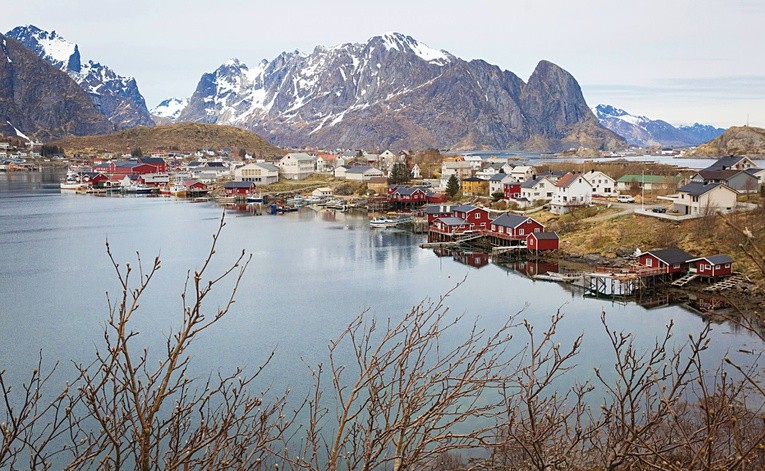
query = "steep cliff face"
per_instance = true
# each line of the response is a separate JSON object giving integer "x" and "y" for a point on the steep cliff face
{"x": 116, "y": 97}
{"x": 41, "y": 101}
{"x": 395, "y": 92}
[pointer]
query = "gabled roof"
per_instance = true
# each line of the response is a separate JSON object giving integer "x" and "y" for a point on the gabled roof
{"x": 239, "y": 185}
{"x": 408, "y": 190}
{"x": 433, "y": 209}
{"x": 152, "y": 160}
{"x": 719, "y": 259}
{"x": 498, "y": 177}
{"x": 265, "y": 166}
{"x": 544, "y": 235}
{"x": 299, "y": 156}
{"x": 378, "y": 180}
{"x": 510, "y": 220}
{"x": 725, "y": 163}
{"x": 718, "y": 174}
{"x": 532, "y": 182}
{"x": 464, "y": 208}
{"x": 698, "y": 188}
{"x": 671, "y": 255}
{"x": 360, "y": 169}
{"x": 567, "y": 180}
{"x": 452, "y": 221}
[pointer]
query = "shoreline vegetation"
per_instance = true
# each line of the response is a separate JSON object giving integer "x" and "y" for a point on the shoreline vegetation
{"x": 408, "y": 399}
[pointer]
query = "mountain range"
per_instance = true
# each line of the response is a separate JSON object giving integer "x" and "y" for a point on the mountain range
{"x": 641, "y": 131}
{"x": 115, "y": 96}
{"x": 395, "y": 92}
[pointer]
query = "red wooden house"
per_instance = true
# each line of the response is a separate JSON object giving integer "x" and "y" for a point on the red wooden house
{"x": 407, "y": 195}
{"x": 511, "y": 190}
{"x": 671, "y": 260}
{"x": 477, "y": 218}
{"x": 514, "y": 227}
{"x": 239, "y": 188}
{"x": 711, "y": 267}
{"x": 437, "y": 198}
{"x": 542, "y": 241}
{"x": 159, "y": 164}
{"x": 195, "y": 186}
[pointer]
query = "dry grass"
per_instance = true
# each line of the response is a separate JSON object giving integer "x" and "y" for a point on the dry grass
{"x": 706, "y": 236}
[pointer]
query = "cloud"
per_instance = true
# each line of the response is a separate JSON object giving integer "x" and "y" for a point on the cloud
{"x": 742, "y": 87}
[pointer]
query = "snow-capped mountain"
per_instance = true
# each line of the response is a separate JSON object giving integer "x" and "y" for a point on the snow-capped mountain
{"x": 169, "y": 109}
{"x": 645, "y": 132}
{"x": 395, "y": 92}
{"x": 117, "y": 97}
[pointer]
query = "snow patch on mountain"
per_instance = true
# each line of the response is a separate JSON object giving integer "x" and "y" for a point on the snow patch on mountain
{"x": 170, "y": 108}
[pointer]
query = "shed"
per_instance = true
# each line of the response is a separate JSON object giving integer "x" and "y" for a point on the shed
{"x": 542, "y": 241}
{"x": 712, "y": 267}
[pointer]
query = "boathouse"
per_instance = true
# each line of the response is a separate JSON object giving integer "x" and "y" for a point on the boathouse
{"x": 449, "y": 226}
{"x": 542, "y": 241}
{"x": 672, "y": 259}
{"x": 514, "y": 227}
{"x": 239, "y": 188}
{"x": 711, "y": 267}
{"x": 477, "y": 218}
{"x": 434, "y": 212}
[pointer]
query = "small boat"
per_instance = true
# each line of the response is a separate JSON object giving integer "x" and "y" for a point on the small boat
{"x": 254, "y": 199}
{"x": 73, "y": 186}
{"x": 178, "y": 191}
{"x": 296, "y": 201}
{"x": 389, "y": 221}
{"x": 138, "y": 189}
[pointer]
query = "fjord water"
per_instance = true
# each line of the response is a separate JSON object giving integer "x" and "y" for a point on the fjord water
{"x": 311, "y": 273}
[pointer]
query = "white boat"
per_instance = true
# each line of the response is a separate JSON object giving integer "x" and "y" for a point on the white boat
{"x": 389, "y": 221}
{"x": 73, "y": 186}
{"x": 254, "y": 199}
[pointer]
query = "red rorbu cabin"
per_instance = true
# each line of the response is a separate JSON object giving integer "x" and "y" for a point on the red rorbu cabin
{"x": 711, "y": 267}
{"x": 477, "y": 218}
{"x": 542, "y": 241}
{"x": 671, "y": 260}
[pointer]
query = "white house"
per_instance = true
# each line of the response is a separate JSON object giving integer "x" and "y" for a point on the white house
{"x": 497, "y": 183}
{"x": 571, "y": 191}
{"x": 363, "y": 173}
{"x": 416, "y": 172}
{"x": 536, "y": 189}
{"x": 699, "y": 199}
{"x": 324, "y": 192}
{"x": 259, "y": 173}
{"x": 297, "y": 165}
{"x": 340, "y": 171}
{"x": 602, "y": 184}
{"x": 522, "y": 173}
{"x": 326, "y": 162}
{"x": 475, "y": 161}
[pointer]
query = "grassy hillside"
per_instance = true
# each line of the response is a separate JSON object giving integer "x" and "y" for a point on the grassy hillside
{"x": 180, "y": 137}
{"x": 741, "y": 140}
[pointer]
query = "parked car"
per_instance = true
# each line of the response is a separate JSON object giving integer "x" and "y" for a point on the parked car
{"x": 625, "y": 199}
{"x": 659, "y": 209}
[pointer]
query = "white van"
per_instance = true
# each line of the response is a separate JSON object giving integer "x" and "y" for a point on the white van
{"x": 625, "y": 199}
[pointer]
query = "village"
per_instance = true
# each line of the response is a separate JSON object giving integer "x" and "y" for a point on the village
{"x": 471, "y": 208}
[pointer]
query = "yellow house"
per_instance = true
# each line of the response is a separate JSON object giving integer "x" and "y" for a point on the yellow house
{"x": 475, "y": 186}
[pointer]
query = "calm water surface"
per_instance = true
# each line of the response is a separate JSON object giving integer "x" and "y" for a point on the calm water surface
{"x": 311, "y": 274}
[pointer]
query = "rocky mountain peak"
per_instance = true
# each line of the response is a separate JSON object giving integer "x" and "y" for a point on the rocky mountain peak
{"x": 117, "y": 97}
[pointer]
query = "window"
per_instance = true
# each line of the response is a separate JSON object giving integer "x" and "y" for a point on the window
{"x": 520, "y": 231}
{"x": 649, "y": 262}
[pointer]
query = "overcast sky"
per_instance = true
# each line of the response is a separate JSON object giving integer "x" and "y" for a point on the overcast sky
{"x": 678, "y": 60}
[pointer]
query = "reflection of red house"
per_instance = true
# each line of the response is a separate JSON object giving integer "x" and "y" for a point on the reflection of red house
{"x": 472, "y": 259}
{"x": 511, "y": 190}
{"x": 531, "y": 268}
{"x": 542, "y": 241}
{"x": 670, "y": 260}
{"x": 477, "y": 218}
{"x": 711, "y": 267}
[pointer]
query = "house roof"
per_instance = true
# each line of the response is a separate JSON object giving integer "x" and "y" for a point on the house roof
{"x": 378, "y": 180}
{"x": 498, "y": 177}
{"x": 725, "y": 163}
{"x": 299, "y": 156}
{"x": 671, "y": 255}
{"x": 361, "y": 169}
{"x": 433, "y": 209}
{"x": 269, "y": 167}
{"x": 719, "y": 259}
{"x": 474, "y": 179}
{"x": 452, "y": 221}
{"x": 544, "y": 235}
{"x": 152, "y": 160}
{"x": 464, "y": 208}
{"x": 510, "y": 220}
{"x": 566, "y": 180}
{"x": 408, "y": 190}
{"x": 532, "y": 182}
{"x": 239, "y": 185}
{"x": 698, "y": 188}
{"x": 718, "y": 174}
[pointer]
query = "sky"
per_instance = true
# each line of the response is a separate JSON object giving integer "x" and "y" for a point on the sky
{"x": 682, "y": 61}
